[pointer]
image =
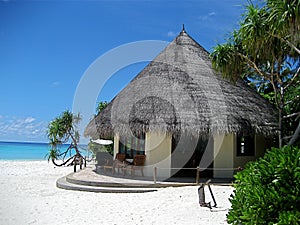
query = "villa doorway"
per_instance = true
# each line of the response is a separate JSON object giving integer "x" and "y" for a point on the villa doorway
{"x": 192, "y": 153}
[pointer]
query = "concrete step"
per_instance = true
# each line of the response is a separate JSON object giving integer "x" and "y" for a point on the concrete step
{"x": 64, "y": 184}
{"x": 123, "y": 183}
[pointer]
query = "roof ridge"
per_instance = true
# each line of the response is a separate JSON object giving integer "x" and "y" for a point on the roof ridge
{"x": 183, "y": 38}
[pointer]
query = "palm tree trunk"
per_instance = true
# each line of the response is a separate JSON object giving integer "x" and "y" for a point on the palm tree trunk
{"x": 62, "y": 164}
{"x": 280, "y": 128}
{"x": 280, "y": 112}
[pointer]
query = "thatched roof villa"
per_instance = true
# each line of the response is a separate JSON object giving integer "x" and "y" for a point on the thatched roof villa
{"x": 180, "y": 113}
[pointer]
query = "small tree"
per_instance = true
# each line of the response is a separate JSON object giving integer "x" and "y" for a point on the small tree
{"x": 62, "y": 130}
{"x": 267, "y": 191}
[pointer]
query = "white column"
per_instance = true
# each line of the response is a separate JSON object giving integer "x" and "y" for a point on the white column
{"x": 116, "y": 144}
{"x": 224, "y": 148}
{"x": 158, "y": 153}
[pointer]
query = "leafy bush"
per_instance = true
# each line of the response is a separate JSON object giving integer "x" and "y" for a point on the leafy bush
{"x": 268, "y": 191}
{"x": 94, "y": 148}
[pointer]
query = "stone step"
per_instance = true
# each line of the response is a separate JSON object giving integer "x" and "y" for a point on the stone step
{"x": 121, "y": 183}
{"x": 64, "y": 184}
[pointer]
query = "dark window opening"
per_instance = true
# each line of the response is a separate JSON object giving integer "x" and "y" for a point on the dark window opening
{"x": 245, "y": 146}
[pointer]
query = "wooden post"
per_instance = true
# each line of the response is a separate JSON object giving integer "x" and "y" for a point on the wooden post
{"x": 212, "y": 195}
{"x": 154, "y": 174}
{"x": 201, "y": 195}
{"x": 75, "y": 165}
{"x": 80, "y": 163}
{"x": 197, "y": 175}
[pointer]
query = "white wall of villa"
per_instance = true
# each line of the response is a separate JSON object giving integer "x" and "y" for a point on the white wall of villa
{"x": 158, "y": 154}
{"x": 158, "y": 147}
{"x": 226, "y": 158}
{"x": 223, "y": 155}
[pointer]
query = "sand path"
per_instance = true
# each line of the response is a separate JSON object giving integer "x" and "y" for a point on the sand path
{"x": 29, "y": 196}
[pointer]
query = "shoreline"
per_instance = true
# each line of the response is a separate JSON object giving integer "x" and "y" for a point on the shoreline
{"x": 29, "y": 196}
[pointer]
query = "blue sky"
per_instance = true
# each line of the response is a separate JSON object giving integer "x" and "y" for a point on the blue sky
{"x": 46, "y": 47}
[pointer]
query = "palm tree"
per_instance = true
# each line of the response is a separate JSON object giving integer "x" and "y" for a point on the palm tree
{"x": 60, "y": 131}
{"x": 284, "y": 21}
{"x": 266, "y": 46}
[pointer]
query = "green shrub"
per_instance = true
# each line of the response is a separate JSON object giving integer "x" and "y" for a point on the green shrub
{"x": 267, "y": 191}
{"x": 94, "y": 148}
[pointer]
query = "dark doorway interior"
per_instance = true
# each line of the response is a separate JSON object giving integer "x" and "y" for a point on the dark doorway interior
{"x": 194, "y": 152}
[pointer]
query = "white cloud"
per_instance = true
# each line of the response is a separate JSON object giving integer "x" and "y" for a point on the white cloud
{"x": 207, "y": 16}
{"x": 29, "y": 120}
{"x": 22, "y": 129}
{"x": 55, "y": 84}
{"x": 171, "y": 34}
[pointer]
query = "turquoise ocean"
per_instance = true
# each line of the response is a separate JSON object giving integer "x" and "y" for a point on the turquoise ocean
{"x": 25, "y": 151}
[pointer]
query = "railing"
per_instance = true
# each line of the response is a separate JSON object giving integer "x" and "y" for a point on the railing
{"x": 155, "y": 170}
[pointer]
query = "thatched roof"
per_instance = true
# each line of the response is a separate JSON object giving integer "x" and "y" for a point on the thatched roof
{"x": 180, "y": 92}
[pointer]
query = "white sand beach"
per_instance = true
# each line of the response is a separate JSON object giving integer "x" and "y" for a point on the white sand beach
{"x": 29, "y": 195}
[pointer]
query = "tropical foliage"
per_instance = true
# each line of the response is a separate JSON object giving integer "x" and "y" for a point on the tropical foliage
{"x": 94, "y": 147}
{"x": 267, "y": 191}
{"x": 265, "y": 50}
{"x": 60, "y": 131}
{"x": 101, "y": 106}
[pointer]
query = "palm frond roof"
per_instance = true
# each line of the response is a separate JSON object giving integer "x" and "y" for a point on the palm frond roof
{"x": 179, "y": 91}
